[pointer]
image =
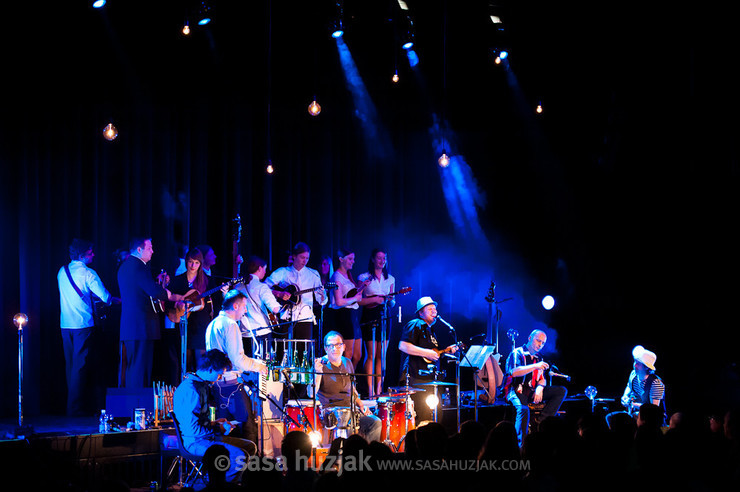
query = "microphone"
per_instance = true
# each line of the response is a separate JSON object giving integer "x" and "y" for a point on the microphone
{"x": 287, "y": 378}
{"x": 445, "y": 322}
{"x": 399, "y": 314}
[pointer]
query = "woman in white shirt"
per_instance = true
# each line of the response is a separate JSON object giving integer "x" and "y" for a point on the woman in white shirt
{"x": 344, "y": 306}
{"x": 375, "y": 300}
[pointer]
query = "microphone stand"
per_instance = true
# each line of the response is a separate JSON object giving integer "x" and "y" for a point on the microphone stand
{"x": 457, "y": 374}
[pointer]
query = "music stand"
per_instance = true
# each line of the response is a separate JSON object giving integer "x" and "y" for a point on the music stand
{"x": 476, "y": 358}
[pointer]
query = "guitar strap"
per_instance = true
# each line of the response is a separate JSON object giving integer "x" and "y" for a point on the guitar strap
{"x": 77, "y": 289}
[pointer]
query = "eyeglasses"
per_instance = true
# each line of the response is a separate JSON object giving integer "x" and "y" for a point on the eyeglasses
{"x": 335, "y": 345}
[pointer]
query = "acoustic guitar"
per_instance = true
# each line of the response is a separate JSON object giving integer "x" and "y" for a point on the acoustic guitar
{"x": 295, "y": 293}
{"x": 193, "y": 297}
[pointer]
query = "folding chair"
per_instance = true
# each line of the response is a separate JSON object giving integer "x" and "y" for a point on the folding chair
{"x": 190, "y": 466}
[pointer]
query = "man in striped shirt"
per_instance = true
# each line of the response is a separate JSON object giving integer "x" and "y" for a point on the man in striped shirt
{"x": 643, "y": 386}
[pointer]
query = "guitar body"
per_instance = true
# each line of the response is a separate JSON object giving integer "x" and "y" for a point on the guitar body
{"x": 295, "y": 293}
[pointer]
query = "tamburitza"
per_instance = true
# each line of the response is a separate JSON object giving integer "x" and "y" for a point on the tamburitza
{"x": 397, "y": 419}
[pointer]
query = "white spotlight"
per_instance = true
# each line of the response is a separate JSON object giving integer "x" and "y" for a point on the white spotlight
{"x": 548, "y": 302}
{"x": 432, "y": 401}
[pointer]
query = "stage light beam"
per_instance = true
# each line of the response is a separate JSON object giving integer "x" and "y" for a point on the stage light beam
{"x": 548, "y": 302}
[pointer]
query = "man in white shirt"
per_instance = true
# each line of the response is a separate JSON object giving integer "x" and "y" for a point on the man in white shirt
{"x": 303, "y": 279}
{"x": 223, "y": 333}
{"x": 262, "y": 308}
{"x": 77, "y": 285}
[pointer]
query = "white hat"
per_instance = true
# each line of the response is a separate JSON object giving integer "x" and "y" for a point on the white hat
{"x": 645, "y": 356}
{"x": 423, "y": 302}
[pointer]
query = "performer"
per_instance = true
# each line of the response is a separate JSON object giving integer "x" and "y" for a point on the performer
{"x": 139, "y": 318}
{"x": 190, "y": 404}
{"x": 201, "y": 313}
{"x": 303, "y": 278}
{"x": 223, "y": 333}
{"x": 256, "y": 326}
{"x": 209, "y": 258}
{"x": 77, "y": 284}
{"x": 526, "y": 383}
{"x": 421, "y": 353}
{"x": 334, "y": 389}
{"x": 343, "y": 315}
{"x": 375, "y": 304}
{"x": 643, "y": 385}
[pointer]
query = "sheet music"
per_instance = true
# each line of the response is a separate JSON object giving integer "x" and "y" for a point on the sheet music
{"x": 477, "y": 355}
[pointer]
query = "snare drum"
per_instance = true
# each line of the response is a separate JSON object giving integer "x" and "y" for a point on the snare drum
{"x": 396, "y": 418}
{"x": 307, "y": 419}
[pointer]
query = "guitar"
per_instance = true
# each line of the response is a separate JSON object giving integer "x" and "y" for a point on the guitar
{"x": 400, "y": 292}
{"x": 295, "y": 294}
{"x": 356, "y": 290}
{"x": 192, "y": 297}
{"x": 630, "y": 408}
{"x": 448, "y": 350}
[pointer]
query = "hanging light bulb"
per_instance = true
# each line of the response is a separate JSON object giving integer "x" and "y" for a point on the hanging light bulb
{"x": 269, "y": 169}
{"x": 110, "y": 132}
{"x": 538, "y": 109}
{"x": 314, "y": 108}
{"x": 395, "y": 77}
{"x": 186, "y": 28}
{"x": 444, "y": 159}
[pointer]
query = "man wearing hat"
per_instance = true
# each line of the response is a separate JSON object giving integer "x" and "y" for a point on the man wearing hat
{"x": 421, "y": 353}
{"x": 643, "y": 386}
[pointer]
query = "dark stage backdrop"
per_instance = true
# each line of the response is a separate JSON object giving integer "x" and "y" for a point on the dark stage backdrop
{"x": 619, "y": 201}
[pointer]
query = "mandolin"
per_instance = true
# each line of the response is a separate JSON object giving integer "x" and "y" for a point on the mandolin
{"x": 295, "y": 294}
{"x": 448, "y": 350}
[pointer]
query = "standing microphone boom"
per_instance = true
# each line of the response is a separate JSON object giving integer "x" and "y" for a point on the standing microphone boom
{"x": 445, "y": 322}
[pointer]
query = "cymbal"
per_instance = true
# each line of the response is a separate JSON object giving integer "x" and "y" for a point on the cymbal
{"x": 396, "y": 395}
{"x": 437, "y": 383}
{"x": 402, "y": 389}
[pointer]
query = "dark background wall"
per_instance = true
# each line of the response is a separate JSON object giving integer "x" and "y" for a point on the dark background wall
{"x": 620, "y": 199}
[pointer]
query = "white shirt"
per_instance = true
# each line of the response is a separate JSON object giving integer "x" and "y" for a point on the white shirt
{"x": 344, "y": 285}
{"x": 376, "y": 287}
{"x": 76, "y": 312}
{"x": 223, "y": 334}
{"x": 260, "y": 301}
{"x": 305, "y": 278}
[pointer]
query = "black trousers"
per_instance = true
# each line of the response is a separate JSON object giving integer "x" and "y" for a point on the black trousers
{"x": 77, "y": 344}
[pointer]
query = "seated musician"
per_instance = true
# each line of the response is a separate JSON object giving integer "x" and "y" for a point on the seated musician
{"x": 334, "y": 388}
{"x": 421, "y": 354}
{"x": 643, "y": 385}
{"x": 232, "y": 400}
{"x": 526, "y": 383}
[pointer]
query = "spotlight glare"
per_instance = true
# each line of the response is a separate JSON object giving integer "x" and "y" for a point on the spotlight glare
{"x": 548, "y": 302}
{"x": 98, "y": 4}
{"x": 337, "y": 34}
{"x": 503, "y": 54}
{"x": 408, "y": 45}
{"x": 19, "y": 320}
{"x": 110, "y": 132}
{"x": 315, "y": 438}
{"x": 432, "y": 401}
{"x": 314, "y": 108}
{"x": 204, "y": 21}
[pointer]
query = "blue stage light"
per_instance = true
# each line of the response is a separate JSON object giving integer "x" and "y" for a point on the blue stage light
{"x": 337, "y": 34}
{"x": 408, "y": 46}
{"x": 503, "y": 54}
{"x": 203, "y": 21}
{"x": 98, "y": 4}
{"x": 413, "y": 58}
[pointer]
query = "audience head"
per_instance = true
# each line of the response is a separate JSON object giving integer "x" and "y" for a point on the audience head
{"x": 296, "y": 449}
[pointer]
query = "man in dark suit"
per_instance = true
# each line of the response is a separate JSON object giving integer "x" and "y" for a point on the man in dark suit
{"x": 139, "y": 319}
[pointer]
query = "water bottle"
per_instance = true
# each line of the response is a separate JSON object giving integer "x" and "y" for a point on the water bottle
{"x": 103, "y": 423}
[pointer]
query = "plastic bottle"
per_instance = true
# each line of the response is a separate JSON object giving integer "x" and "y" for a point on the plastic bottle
{"x": 103, "y": 423}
